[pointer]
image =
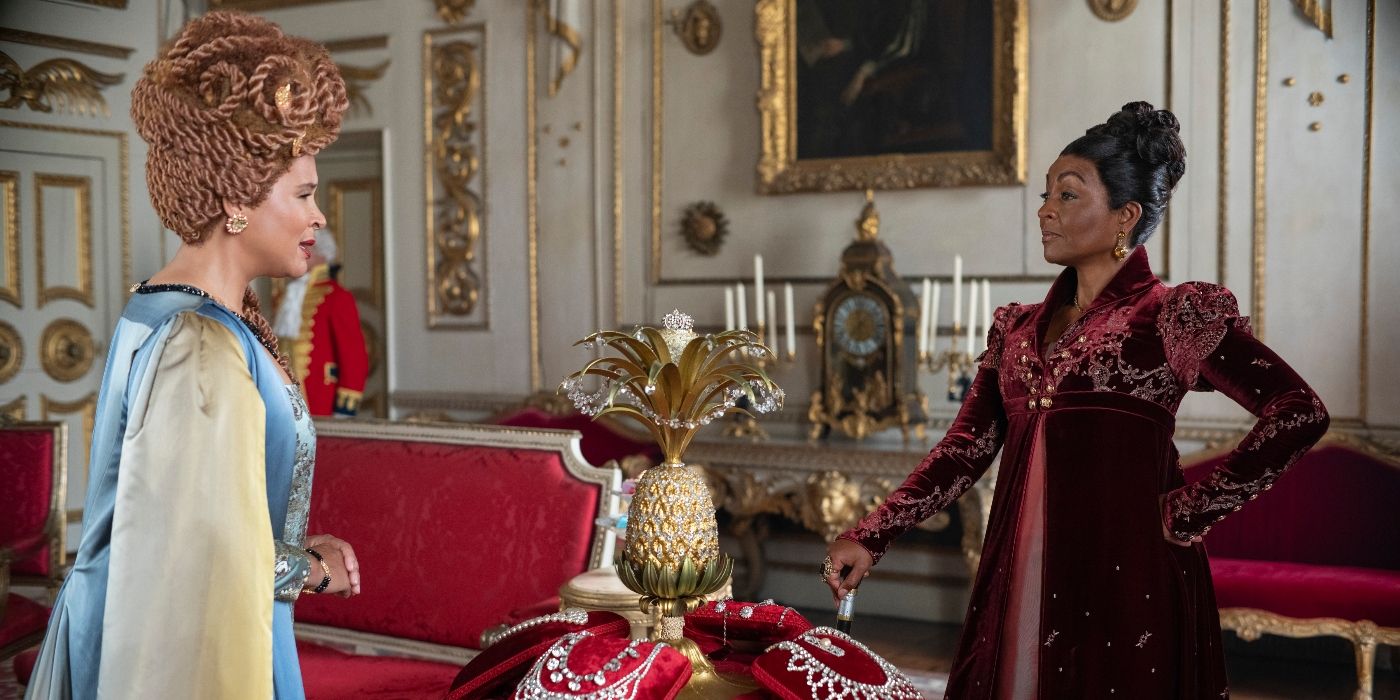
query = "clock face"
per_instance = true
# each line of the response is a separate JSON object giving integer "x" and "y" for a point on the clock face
{"x": 859, "y": 325}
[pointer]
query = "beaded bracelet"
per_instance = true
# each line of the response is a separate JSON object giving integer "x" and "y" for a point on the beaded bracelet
{"x": 325, "y": 569}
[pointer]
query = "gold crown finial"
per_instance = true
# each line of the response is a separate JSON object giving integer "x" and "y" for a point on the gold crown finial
{"x": 677, "y": 321}
{"x": 868, "y": 225}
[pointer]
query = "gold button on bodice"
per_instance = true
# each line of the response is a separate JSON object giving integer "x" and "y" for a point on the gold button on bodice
{"x": 1031, "y": 404}
{"x": 1045, "y": 402}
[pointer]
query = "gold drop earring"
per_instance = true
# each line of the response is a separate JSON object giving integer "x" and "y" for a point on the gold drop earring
{"x": 1120, "y": 251}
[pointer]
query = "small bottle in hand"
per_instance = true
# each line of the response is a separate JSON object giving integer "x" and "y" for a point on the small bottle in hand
{"x": 845, "y": 612}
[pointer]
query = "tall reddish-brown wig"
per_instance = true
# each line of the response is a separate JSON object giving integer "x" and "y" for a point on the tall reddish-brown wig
{"x": 226, "y": 108}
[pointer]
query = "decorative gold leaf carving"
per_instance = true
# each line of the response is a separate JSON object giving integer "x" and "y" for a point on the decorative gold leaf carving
{"x": 62, "y": 82}
{"x": 356, "y": 80}
{"x": 67, "y": 350}
{"x": 11, "y": 352}
{"x": 454, "y": 11}
{"x": 454, "y": 215}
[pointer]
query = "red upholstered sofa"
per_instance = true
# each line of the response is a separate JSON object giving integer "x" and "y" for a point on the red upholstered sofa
{"x": 458, "y": 527}
{"x": 1319, "y": 554}
{"x": 604, "y": 440}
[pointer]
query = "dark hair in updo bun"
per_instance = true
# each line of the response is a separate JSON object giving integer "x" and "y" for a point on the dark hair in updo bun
{"x": 1140, "y": 158}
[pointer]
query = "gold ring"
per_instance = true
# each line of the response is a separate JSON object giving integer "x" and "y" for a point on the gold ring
{"x": 828, "y": 568}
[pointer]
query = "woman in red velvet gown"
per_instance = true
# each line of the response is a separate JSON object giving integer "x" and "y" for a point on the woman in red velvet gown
{"x": 1093, "y": 582}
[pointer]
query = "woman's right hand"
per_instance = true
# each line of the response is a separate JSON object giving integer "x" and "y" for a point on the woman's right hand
{"x": 843, "y": 554}
{"x": 340, "y": 559}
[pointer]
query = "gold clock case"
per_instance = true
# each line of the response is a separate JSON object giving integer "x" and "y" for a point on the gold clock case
{"x": 863, "y": 395}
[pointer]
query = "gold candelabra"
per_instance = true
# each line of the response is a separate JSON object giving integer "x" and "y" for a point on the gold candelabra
{"x": 960, "y": 364}
{"x": 742, "y": 424}
{"x": 674, "y": 382}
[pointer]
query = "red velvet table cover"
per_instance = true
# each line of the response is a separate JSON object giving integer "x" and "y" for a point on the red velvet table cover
{"x": 1307, "y": 591}
{"x": 442, "y": 530}
{"x": 498, "y": 668}
{"x": 26, "y": 468}
{"x": 824, "y": 663}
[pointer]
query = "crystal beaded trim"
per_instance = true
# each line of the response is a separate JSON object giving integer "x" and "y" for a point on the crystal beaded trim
{"x": 573, "y": 616}
{"x": 827, "y": 683}
{"x": 623, "y": 687}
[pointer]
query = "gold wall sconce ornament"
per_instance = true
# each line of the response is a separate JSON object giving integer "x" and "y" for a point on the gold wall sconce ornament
{"x": 357, "y": 79}
{"x": 11, "y": 352}
{"x": 63, "y": 82}
{"x": 67, "y": 350}
{"x": 454, "y": 11}
{"x": 704, "y": 227}
{"x": 698, "y": 26}
{"x": 673, "y": 382}
{"x": 1112, "y": 10}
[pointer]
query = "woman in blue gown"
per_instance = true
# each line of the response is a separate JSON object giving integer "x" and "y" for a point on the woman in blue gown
{"x": 194, "y": 543}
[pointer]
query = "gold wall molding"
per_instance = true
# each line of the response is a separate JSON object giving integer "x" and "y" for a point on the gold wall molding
{"x": 357, "y": 79}
{"x": 11, "y": 291}
{"x": 82, "y": 214}
{"x": 15, "y": 410}
{"x": 454, "y": 11}
{"x": 63, "y": 43}
{"x": 1363, "y": 363}
{"x": 454, "y": 131}
{"x": 1222, "y": 170}
{"x": 357, "y": 43}
{"x": 532, "y": 195}
{"x": 11, "y": 352}
{"x": 66, "y": 350}
{"x": 1318, "y": 13}
{"x": 123, "y": 169}
{"x": 86, "y": 409}
{"x": 618, "y": 288}
{"x": 780, "y": 171}
{"x": 1261, "y": 123}
{"x": 373, "y": 187}
{"x": 63, "y": 82}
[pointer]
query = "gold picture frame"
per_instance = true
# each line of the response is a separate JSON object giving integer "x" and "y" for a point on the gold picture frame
{"x": 780, "y": 171}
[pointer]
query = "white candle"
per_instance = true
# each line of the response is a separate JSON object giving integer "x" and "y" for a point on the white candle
{"x": 924, "y": 300}
{"x": 758, "y": 296}
{"x": 986, "y": 309}
{"x": 742, "y": 305}
{"x": 971, "y": 316}
{"x": 773, "y": 317}
{"x": 957, "y": 292}
{"x": 729, "y": 308}
{"x": 787, "y": 315}
{"x": 933, "y": 317}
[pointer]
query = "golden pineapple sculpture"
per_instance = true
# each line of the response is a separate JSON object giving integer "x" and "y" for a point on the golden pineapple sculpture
{"x": 673, "y": 382}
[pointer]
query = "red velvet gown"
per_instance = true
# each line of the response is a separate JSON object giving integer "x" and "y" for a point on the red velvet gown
{"x": 1102, "y": 605}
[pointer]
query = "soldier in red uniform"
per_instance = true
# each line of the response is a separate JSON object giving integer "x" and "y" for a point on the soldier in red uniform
{"x": 327, "y": 347}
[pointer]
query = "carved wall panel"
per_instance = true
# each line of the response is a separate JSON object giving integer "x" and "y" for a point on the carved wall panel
{"x": 63, "y": 237}
{"x": 10, "y": 289}
{"x": 453, "y": 132}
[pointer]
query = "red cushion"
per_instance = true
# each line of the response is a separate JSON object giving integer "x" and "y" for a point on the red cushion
{"x": 24, "y": 619}
{"x": 450, "y": 538}
{"x": 600, "y": 442}
{"x": 629, "y": 669}
{"x": 26, "y": 469}
{"x": 1307, "y": 590}
{"x": 1335, "y": 507}
{"x": 498, "y": 668}
{"x": 329, "y": 674}
{"x": 825, "y": 663}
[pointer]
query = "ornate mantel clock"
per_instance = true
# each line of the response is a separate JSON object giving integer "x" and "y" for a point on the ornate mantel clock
{"x": 865, "y": 325}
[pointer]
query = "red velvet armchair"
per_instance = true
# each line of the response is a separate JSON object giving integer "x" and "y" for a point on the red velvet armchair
{"x": 1319, "y": 554}
{"x": 34, "y": 469}
{"x": 456, "y": 527}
